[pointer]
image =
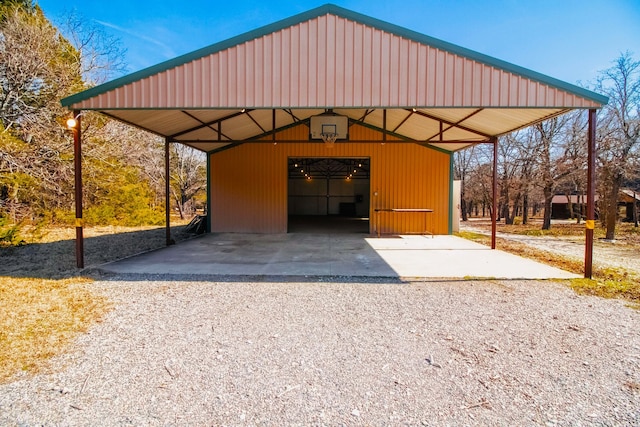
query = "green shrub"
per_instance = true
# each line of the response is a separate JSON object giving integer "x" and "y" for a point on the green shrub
{"x": 130, "y": 205}
{"x": 10, "y": 234}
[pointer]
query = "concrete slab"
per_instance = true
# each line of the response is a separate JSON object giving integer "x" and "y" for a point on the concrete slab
{"x": 353, "y": 255}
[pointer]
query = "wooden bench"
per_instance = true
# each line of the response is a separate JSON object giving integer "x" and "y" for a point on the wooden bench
{"x": 399, "y": 210}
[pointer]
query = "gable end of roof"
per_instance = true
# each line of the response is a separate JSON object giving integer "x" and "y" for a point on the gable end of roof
{"x": 331, "y": 9}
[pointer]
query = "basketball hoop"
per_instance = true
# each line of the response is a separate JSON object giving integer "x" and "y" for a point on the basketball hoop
{"x": 329, "y": 139}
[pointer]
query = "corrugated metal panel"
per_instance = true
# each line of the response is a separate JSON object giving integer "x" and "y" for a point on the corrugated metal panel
{"x": 247, "y": 191}
{"x": 249, "y": 182}
{"x": 334, "y": 62}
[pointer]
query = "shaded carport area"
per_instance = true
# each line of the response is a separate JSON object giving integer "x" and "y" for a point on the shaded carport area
{"x": 405, "y": 86}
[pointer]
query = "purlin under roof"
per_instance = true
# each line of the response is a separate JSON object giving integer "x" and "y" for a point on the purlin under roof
{"x": 409, "y": 85}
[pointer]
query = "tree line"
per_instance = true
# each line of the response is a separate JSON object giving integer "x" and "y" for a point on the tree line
{"x": 123, "y": 167}
{"x": 550, "y": 158}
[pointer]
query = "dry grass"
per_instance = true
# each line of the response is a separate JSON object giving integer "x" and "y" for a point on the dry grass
{"x": 39, "y": 317}
{"x": 605, "y": 282}
{"x": 44, "y": 303}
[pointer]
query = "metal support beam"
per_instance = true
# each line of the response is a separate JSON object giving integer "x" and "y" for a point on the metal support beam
{"x": 384, "y": 125}
{"x": 208, "y": 192}
{"x": 167, "y": 202}
{"x": 77, "y": 166}
{"x": 273, "y": 126}
{"x": 494, "y": 209}
{"x": 591, "y": 194}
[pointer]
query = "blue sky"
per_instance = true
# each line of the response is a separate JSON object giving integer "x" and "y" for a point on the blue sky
{"x": 571, "y": 40}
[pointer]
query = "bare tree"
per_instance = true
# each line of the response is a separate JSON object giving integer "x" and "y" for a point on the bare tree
{"x": 33, "y": 76}
{"x": 98, "y": 55}
{"x": 462, "y": 165}
{"x": 509, "y": 166}
{"x": 552, "y": 137}
{"x": 619, "y": 133}
{"x": 527, "y": 148}
{"x": 38, "y": 67}
{"x": 573, "y": 166}
{"x": 188, "y": 177}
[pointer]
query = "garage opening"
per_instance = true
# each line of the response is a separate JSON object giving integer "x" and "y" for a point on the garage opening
{"x": 329, "y": 195}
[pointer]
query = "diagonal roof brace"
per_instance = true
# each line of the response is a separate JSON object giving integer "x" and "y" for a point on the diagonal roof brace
{"x": 451, "y": 126}
{"x": 206, "y": 124}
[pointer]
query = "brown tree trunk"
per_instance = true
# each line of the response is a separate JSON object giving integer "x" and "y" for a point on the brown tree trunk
{"x": 569, "y": 206}
{"x": 516, "y": 208}
{"x": 525, "y": 209}
{"x": 463, "y": 203}
{"x": 548, "y": 197}
{"x": 505, "y": 214}
{"x": 635, "y": 210}
{"x": 180, "y": 207}
{"x": 579, "y": 208}
{"x": 611, "y": 215}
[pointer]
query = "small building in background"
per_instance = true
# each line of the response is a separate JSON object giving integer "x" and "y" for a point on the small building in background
{"x": 628, "y": 198}
{"x": 562, "y": 205}
{"x": 569, "y": 206}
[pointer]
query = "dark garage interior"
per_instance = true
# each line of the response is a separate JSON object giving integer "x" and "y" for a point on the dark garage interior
{"x": 328, "y": 195}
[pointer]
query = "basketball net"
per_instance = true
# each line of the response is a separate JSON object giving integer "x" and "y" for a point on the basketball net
{"x": 329, "y": 139}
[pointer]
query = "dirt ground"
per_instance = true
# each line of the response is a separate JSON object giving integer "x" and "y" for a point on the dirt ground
{"x": 624, "y": 252}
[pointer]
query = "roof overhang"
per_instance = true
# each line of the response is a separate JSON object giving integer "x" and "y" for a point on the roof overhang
{"x": 405, "y": 84}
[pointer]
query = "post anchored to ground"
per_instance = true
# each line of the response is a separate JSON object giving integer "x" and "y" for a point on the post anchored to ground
{"x": 494, "y": 186}
{"x": 74, "y": 125}
{"x": 591, "y": 190}
{"x": 167, "y": 203}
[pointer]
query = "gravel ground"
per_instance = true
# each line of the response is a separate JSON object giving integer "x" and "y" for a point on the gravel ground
{"x": 228, "y": 352}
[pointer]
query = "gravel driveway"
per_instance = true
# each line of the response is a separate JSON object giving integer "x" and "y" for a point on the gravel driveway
{"x": 335, "y": 353}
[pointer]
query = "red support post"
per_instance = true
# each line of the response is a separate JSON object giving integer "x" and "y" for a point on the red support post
{"x": 494, "y": 209}
{"x": 591, "y": 194}
{"x": 167, "y": 203}
{"x": 77, "y": 166}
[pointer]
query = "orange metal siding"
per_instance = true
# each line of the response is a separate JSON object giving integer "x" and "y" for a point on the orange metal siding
{"x": 249, "y": 182}
{"x": 333, "y": 62}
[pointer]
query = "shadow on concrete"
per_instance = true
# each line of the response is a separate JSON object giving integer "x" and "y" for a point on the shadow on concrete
{"x": 311, "y": 257}
{"x": 297, "y": 256}
{"x": 261, "y": 255}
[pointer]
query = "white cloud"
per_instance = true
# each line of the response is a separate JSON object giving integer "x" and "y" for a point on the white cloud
{"x": 165, "y": 49}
